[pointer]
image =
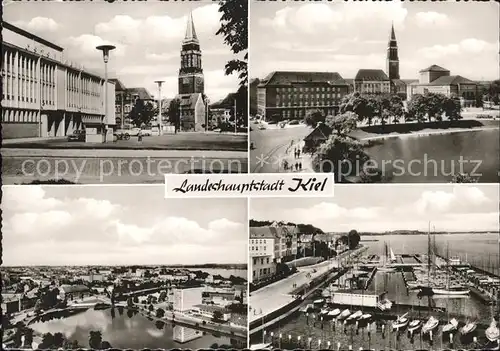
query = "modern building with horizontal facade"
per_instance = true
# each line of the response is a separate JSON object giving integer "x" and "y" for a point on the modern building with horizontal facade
{"x": 45, "y": 96}
{"x": 291, "y": 95}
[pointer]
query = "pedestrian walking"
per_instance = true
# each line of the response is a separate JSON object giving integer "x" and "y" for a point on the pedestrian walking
{"x": 300, "y": 166}
{"x": 298, "y": 153}
{"x": 296, "y": 166}
{"x": 139, "y": 137}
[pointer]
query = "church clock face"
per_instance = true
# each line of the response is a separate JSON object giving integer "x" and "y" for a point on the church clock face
{"x": 199, "y": 84}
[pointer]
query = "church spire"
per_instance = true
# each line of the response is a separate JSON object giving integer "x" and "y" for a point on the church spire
{"x": 190, "y": 31}
{"x": 393, "y": 35}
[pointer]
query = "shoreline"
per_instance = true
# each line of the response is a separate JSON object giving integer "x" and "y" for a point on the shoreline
{"x": 428, "y": 133}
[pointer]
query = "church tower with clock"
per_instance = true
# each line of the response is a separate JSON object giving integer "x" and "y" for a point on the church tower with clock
{"x": 193, "y": 103}
{"x": 191, "y": 80}
{"x": 392, "y": 60}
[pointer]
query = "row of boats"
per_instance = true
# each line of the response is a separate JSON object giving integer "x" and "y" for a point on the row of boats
{"x": 492, "y": 333}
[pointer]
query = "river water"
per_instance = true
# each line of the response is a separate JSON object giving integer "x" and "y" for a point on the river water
{"x": 445, "y": 149}
{"x": 124, "y": 329}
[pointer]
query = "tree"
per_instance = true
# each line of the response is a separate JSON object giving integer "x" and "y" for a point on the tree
{"x": 343, "y": 124}
{"x": 451, "y": 107}
{"x": 396, "y": 107}
{"x": 105, "y": 345}
{"x": 417, "y": 107}
{"x": 241, "y": 97}
{"x": 340, "y": 155}
{"x": 28, "y": 336}
{"x": 282, "y": 269}
{"x": 313, "y": 117}
{"x": 434, "y": 106}
{"x": 160, "y": 313}
{"x": 47, "y": 341}
{"x": 174, "y": 109}
{"x": 234, "y": 29}
{"x": 151, "y": 308}
{"x": 58, "y": 340}
{"x": 136, "y": 299}
{"x": 353, "y": 239}
{"x": 142, "y": 113}
{"x": 95, "y": 339}
{"x": 217, "y": 316}
{"x": 463, "y": 178}
{"x": 162, "y": 297}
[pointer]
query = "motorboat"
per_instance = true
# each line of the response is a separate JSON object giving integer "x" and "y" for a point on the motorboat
{"x": 430, "y": 325}
{"x": 307, "y": 308}
{"x": 400, "y": 322}
{"x": 355, "y": 315}
{"x": 334, "y": 313}
{"x": 365, "y": 317}
{"x": 414, "y": 325}
{"x": 451, "y": 326}
{"x": 319, "y": 302}
{"x": 344, "y": 314}
{"x": 451, "y": 291}
{"x": 492, "y": 332}
{"x": 324, "y": 312}
{"x": 260, "y": 347}
{"x": 384, "y": 305}
{"x": 468, "y": 328}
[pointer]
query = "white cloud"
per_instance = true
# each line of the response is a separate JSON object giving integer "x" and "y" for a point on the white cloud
{"x": 26, "y": 198}
{"x": 158, "y": 30}
{"x": 72, "y": 230}
{"x": 425, "y": 19}
{"x": 315, "y": 18}
{"x": 39, "y": 24}
{"x": 466, "y": 46}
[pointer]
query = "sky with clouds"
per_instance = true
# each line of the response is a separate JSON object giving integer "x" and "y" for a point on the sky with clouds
{"x": 379, "y": 208}
{"x": 119, "y": 225}
{"x": 346, "y": 36}
{"x": 147, "y": 37}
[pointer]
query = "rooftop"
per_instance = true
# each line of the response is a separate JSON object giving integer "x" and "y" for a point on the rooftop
{"x": 142, "y": 93}
{"x": 29, "y": 35}
{"x": 371, "y": 75}
{"x": 321, "y": 131}
{"x": 434, "y": 68}
{"x": 295, "y": 77}
{"x": 210, "y": 308}
{"x": 451, "y": 80}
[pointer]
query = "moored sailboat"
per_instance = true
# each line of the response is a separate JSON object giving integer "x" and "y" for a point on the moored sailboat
{"x": 468, "y": 328}
{"x": 414, "y": 325}
{"x": 334, "y": 313}
{"x": 344, "y": 314}
{"x": 430, "y": 325}
{"x": 400, "y": 322}
{"x": 451, "y": 326}
{"x": 355, "y": 315}
{"x": 492, "y": 333}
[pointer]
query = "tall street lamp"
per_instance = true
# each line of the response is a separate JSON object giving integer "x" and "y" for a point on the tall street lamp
{"x": 160, "y": 124}
{"x": 105, "y": 55}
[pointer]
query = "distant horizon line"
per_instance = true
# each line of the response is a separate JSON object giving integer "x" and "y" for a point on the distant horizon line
{"x": 198, "y": 265}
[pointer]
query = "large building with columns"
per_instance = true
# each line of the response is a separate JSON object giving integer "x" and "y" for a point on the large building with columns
{"x": 45, "y": 96}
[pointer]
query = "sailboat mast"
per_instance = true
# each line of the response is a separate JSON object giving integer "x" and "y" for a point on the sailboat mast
{"x": 429, "y": 253}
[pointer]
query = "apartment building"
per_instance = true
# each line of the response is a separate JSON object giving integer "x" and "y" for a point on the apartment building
{"x": 185, "y": 299}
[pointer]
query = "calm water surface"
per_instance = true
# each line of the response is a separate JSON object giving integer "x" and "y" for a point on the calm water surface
{"x": 446, "y": 149}
{"x": 481, "y": 250}
{"x": 123, "y": 329}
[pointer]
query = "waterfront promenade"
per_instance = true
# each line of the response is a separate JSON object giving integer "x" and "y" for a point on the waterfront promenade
{"x": 277, "y": 295}
{"x": 274, "y": 296}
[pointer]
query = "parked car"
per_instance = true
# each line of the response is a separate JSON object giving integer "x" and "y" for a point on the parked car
{"x": 77, "y": 135}
{"x": 146, "y": 132}
{"x": 155, "y": 131}
{"x": 262, "y": 127}
{"x": 294, "y": 122}
{"x": 217, "y": 130}
{"x": 134, "y": 131}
